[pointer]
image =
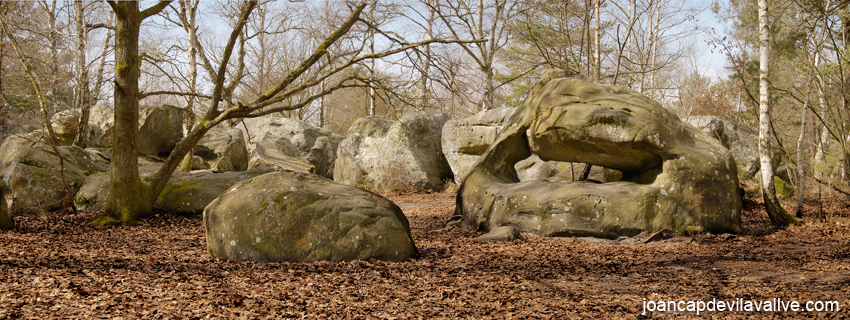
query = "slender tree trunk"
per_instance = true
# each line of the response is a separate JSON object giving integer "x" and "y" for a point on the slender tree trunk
{"x": 130, "y": 199}
{"x": 372, "y": 94}
{"x": 98, "y": 83}
{"x": 778, "y": 216}
{"x": 322, "y": 106}
{"x": 426, "y": 64}
{"x": 53, "y": 37}
{"x": 190, "y": 8}
{"x": 801, "y": 174}
{"x": 597, "y": 67}
{"x": 82, "y": 79}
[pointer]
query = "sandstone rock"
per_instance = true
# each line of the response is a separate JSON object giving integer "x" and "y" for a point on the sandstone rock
{"x": 533, "y": 168}
{"x": 189, "y": 194}
{"x": 407, "y": 157}
{"x": 673, "y": 175}
{"x": 228, "y": 146}
{"x": 94, "y": 192}
{"x": 370, "y": 126}
{"x": 307, "y": 139}
{"x": 497, "y": 234}
{"x": 279, "y": 154}
{"x": 198, "y": 163}
{"x": 31, "y": 170}
{"x": 66, "y": 126}
{"x": 6, "y": 221}
{"x": 184, "y": 194}
{"x": 465, "y": 140}
{"x": 103, "y": 116}
{"x": 160, "y": 128}
{"x": 299, "y": 217}
{"x": 741, "y": 140}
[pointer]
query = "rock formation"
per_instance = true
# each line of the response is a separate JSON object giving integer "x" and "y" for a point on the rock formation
{"x": 673, "y": 175}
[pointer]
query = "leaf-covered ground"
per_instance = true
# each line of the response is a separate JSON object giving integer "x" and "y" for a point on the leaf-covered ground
{"x": 56, "y": 266}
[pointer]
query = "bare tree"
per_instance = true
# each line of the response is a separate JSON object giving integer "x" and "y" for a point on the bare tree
{"x": 480, "y": 21}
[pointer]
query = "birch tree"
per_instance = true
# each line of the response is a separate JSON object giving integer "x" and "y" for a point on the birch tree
{"x": 778, "y": 216}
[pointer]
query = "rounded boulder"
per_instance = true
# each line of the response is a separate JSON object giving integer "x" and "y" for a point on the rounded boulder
{"x": 299, "y": 217}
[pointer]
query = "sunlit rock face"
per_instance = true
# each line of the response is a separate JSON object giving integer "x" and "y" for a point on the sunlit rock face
{"x": 674, "y": 176}
{"x": 390, "y": 156}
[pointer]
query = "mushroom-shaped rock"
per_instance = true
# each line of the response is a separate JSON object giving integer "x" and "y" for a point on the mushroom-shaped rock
{"x": 673, "y": 175}
{"x": 299, "y": 217}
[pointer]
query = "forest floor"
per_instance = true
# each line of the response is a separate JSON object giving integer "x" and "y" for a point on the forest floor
{"x": 57, "y": 266}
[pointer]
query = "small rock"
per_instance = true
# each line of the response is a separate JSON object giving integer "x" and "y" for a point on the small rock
{"x": 503, "y": 233}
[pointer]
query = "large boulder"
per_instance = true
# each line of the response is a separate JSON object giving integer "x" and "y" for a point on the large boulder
{"x": 284, "y": 216}
{"x": 31, "y": 169}
{"x": 6, "y": 221}
{"x": 227, "y": 145}
{"x": 66, "y": 125}
{"x": 160, "y": 128}
{"x": 673, "y": 175}
{"x": 740, "y": 139}
{"x": 407, "y": 157}
{"x": 184, "y": 193}
{"x": 102, "y": 115}
{"x": 465, "y": 140}
{"x": 279, "y": 154}
{"x": 315, "y": 144}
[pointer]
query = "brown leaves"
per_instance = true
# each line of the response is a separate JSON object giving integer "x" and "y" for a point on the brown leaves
{"x": 56, "y": 266}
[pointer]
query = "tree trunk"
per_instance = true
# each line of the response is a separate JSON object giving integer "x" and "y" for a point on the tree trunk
{"x": 487, "y": 103}
{"x": 189, "y": 113}
{"x": 53, "y": 37}
{"x": 372, "y": 61}
{"x": 82, "y": 79}
{"x": 98, "y": 83}
{"x": 426, "y": 63}
{"x": 778, "y": 216}
{"x": 597, "y": 68}
{"x": 130, "y": 199}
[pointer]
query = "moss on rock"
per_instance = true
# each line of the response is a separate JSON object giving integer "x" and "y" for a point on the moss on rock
{"x": 298, "y": 217}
